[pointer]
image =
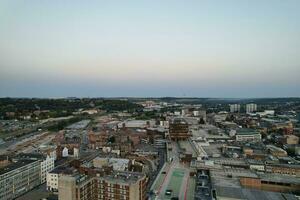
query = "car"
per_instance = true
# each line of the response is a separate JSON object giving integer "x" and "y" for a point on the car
{"x": 174, "y": 198}
{"x": 168, "y": 192}
{"x": 151, "y": 193}
{"x": 163, "y": 172}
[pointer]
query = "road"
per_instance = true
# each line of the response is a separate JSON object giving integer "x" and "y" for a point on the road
{"x": 177, "y": 177}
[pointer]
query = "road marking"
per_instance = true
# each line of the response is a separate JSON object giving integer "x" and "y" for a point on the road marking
{"x": 186, "y": 187}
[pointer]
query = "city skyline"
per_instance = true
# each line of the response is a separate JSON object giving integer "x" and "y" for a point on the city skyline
{"x": 234, "y": 49}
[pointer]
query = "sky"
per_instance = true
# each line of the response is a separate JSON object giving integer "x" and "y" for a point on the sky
{"x": 142, "y": 48}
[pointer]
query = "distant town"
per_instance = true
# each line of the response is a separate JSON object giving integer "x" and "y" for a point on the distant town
{"x": 149, "y": 148}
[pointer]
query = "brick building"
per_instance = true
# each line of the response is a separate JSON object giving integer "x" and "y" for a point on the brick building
{"x": 118, "y": 185}
{"x": 179, "y": 129}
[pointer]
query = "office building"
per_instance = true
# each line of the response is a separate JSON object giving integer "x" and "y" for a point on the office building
{"x": 46, "y": 163}
{"x": 18, "y": 177}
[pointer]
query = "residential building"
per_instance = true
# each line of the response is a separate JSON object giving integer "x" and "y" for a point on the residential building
{"x": 235, "y": 108}
{"x": 251, "y": 107}
{"x": 118, "y": 185}
{"x": 46, "y": 166}
{"x": 52, "y": 177}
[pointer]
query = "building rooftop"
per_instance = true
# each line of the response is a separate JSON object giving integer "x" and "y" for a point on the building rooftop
{"x": 118, "y": 177}
{"x": 255, "y": 162}
{"x": 15, "y": 165}
{"x": 280, "y": 178}
{"x": 246, "y": 131}
{"x": 124, "y": 177}
{"x": 252, "y": 194}
{"x": 63, "y": 170}
{"x": 229, "y": 177}
{"x": 146, "y": 147}
{"x": 30, "y": 156}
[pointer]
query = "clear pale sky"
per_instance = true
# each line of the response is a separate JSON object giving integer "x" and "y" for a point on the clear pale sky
{"x": 230, "y": 48}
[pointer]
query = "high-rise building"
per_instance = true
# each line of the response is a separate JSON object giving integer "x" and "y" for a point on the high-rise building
{"x": 118, "y": 185}
{"x": 179, "y": 129}
{"x": 234, "y": 108}
{"x": 251, "y": 107}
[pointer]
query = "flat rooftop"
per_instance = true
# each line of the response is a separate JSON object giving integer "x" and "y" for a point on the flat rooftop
{"x": 124, "y": 177}
{"x": 187, "y": 146}
{"x": 15, "y": 165}
{"x": 280, "y": 178}
{"x": 229, "y": 177}
{"x": 251, "y": 194}
{"x": 119, "y": 177}
{"x": 63, "y": 170}
{"x": 246, "y": 131}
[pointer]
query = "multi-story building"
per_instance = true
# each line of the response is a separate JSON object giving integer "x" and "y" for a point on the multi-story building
{"x": 286, "y": 128}
{"x": 159, "y": 143}
{"x": 98, "y": 139}
{"x": 179, "y": 129}
{"x": 283, "y": 169}
{"x": 251, "y": 107}
{"x": 235, "y": 108}
{"x": 19, "y": 177}
{"x": 46, "y": 166}
{"x": 257, "y": 165}
{"x": 118, "y": 164}
{"x": 271, "y": 182}
{"x": 52, "y": 177}
{"x": 118, "y": 185}
{"x": 276, "y": 151}
{"x": 247, "y": 135}
{"x": 290, "y": 139}
{"x": 46, "y": 163}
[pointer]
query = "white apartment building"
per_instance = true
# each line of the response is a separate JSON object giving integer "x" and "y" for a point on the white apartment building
{"x": 52, "y": 177}
{"x": 251, "y": 107}
{"x": 52, "y": 181}
{"x": 46, "y": 166}
{"x": 235, "y": 108}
